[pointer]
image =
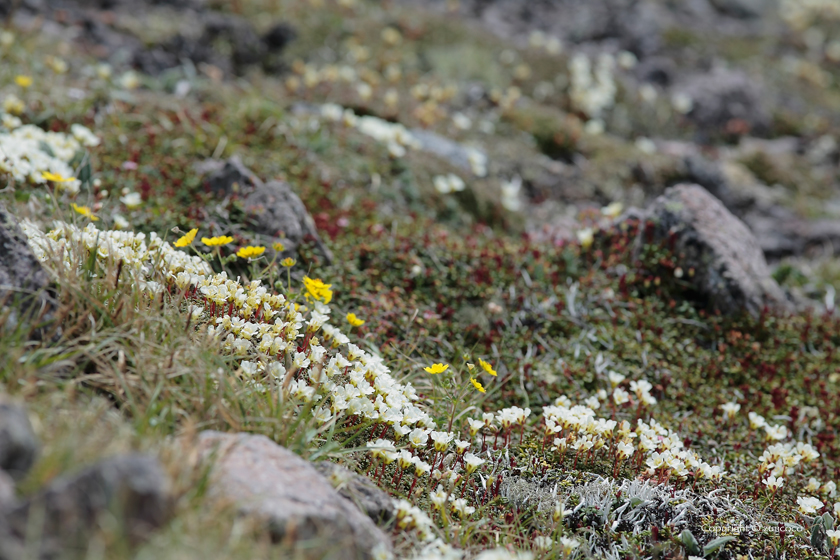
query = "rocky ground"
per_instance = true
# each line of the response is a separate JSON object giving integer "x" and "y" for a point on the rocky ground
{"x": 479, "y": 279}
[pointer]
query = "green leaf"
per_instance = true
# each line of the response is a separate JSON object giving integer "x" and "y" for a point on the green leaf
{"x": 818, "y": 537}
{"x": 828, "y": 521}
{"x": 716, "y": 544}
{"x": 635, "y": 502}
{"x": 690, "y": 543}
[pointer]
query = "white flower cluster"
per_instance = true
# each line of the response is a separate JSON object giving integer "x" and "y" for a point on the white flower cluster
{"x": 141, "y": 256}
{"x": 394, "y": 135}
{"x": 27, "y": 151}
{"x": 578, "y": 428}
{"x": 592, "y": 91}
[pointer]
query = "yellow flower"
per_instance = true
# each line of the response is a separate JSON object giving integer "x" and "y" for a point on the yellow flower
{"x": 437, "y": 368}
{"x": 317, "y": 289}
{"x": 288, "y": 262}
{"x": 354, "y": 321}
{"x": 55, "y": 177}
{"x": 187, "y": 238}
{"x": 250, "y": 252}
{"x": 217, "y": 241}
{"x": 470, "y": 366}
{"x": 279, "y": 247}
{"x": 23, "y": 81}
{"x": 487, "y": 367}
{"x": 84, "y": 211}
{"x": 477, "y": 385}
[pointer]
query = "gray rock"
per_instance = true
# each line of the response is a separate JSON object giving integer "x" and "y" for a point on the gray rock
{"x": 730, "y": 271}
{"x": 722, "y": 96}
{"x": 131, "y": 492}
{"x": 360, "y": 490}
{"x": 444, "y": 148}
{"x": 228, "y": 177}
{"x": 299, "y": 504}
{"x": 275, "y": 211}
{"x": 18, "y": 443}
{"x": 23, "y": 281}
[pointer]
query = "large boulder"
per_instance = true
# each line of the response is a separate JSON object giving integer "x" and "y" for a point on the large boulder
{"x": 300, "y": 506}
{"x": 23, "y": 281}
{"x": 730, "y": 271}
{"x": 131, "y": 492}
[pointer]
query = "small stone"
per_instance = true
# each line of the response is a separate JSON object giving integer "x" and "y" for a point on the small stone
{"x": 729, "y": 269}
{"x": 18, "y": 443}
{"x": 300, "y": 506}
{"x": 360, "y": 490}
{"x": 133, "y": 490}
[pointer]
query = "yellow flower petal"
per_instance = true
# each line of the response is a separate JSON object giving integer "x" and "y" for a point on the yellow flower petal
{"x": 477, "y": 385}
{"x": 487, "y": 367}
{"x": 217, "y": 241}
{"x": 250, "y": 252}
{"x": 354, "y": 321}
{"x": 84, "y": 211}
{"x": 437, "y": 368}
{"x": 187, "y": 238}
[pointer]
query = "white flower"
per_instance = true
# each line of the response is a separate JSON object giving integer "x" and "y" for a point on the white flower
{"x": 120, "y": 222}
{"x": 730, "y": 409}
{"x": 586, "y": 237}
{"x": 418, "y": 437}
{"x": 569, "y": 545}
{"x": 475, "y": 426}
{"x": 461, "y": 446}
{"x": 132, "y": 200}
{"x": 543, "y": 543}
{"x": 776, "y": 433}
{"x": 438, "y": 498}
{"x": 808, "y": 505}
{"x": 472, "y": 462}
{"x": 459, "y": 506}
{"x": 625, "y": 449}
{"x": 773, "y": 482}
{"x": 442, "y": 440}
{"x": 833, "y": 536}
{"x": 756, "y": 421}
{"x": 620, "y": 396}
{"x": 813, "y": 485}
